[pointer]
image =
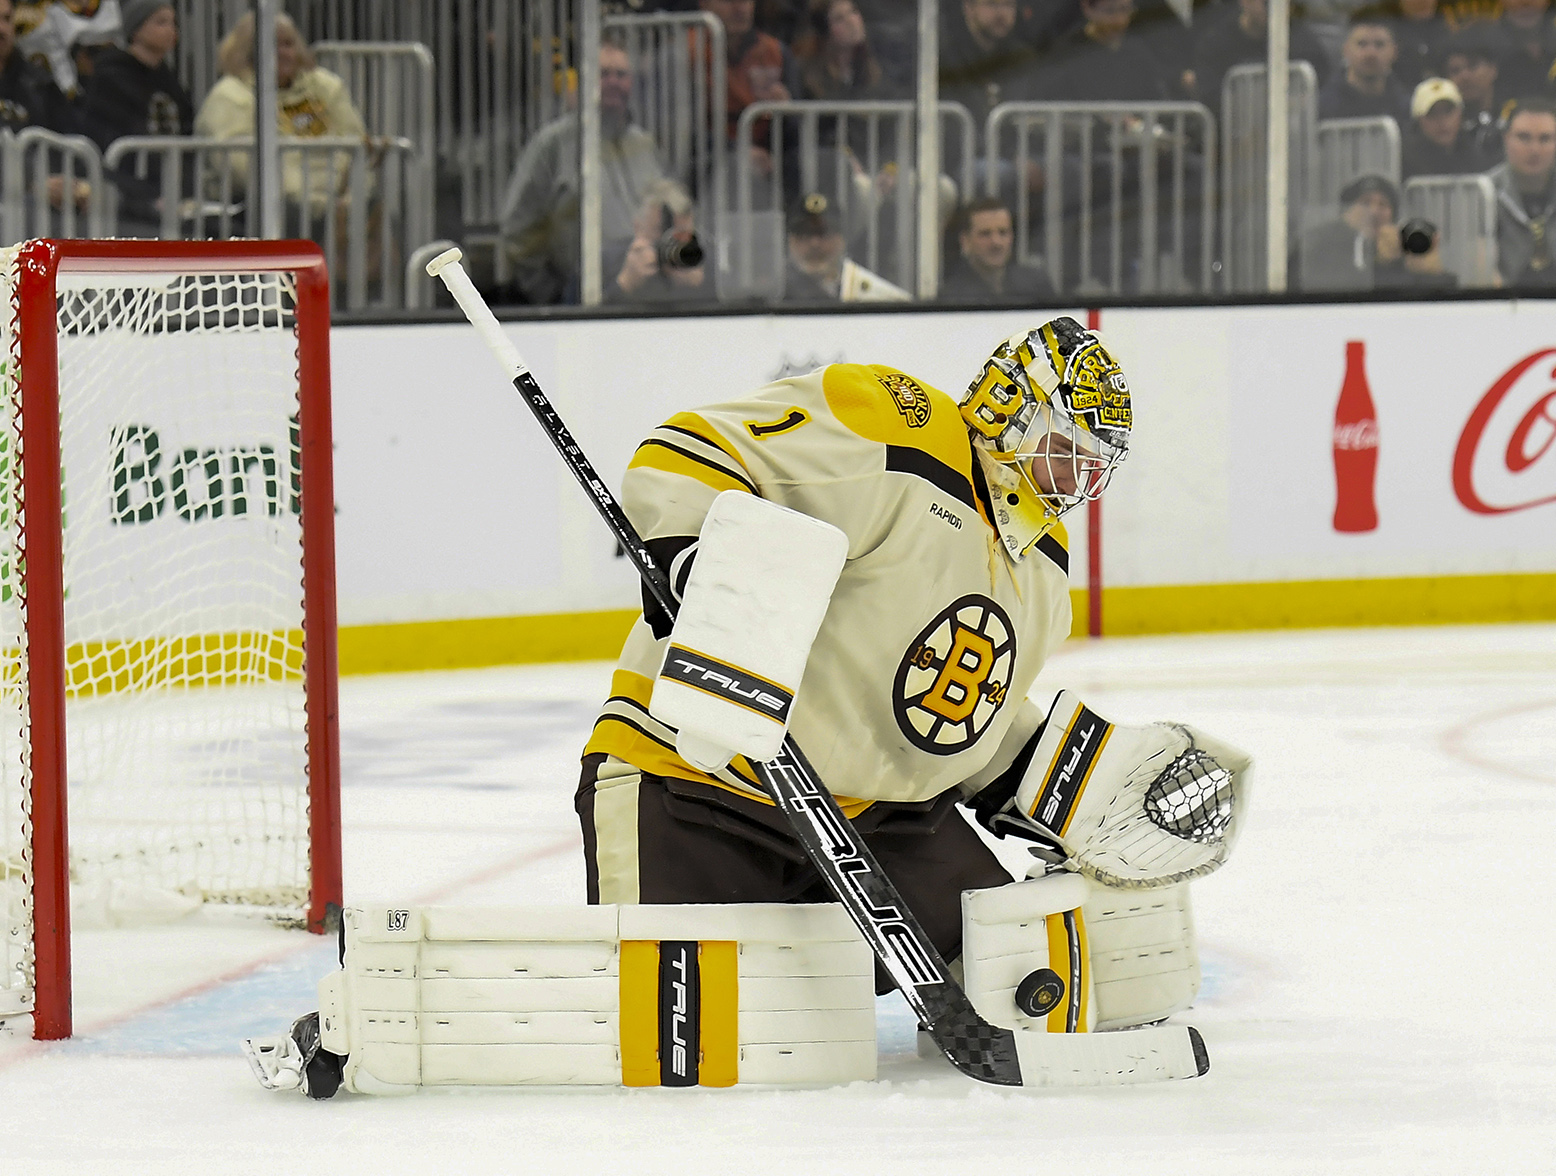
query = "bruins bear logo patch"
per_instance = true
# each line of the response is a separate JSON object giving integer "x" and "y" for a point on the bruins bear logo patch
{"x": 954, "y": 677}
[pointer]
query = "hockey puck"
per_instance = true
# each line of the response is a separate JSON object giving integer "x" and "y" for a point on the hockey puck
{"x": 1040, "y": 992}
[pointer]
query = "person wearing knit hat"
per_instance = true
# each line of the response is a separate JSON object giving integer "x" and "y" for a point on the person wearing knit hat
{"x": 134, "y": 91}
{"x": 135, "y": 13}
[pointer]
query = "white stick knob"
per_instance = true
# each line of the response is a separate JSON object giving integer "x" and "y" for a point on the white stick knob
{"x": 445, "y": 266}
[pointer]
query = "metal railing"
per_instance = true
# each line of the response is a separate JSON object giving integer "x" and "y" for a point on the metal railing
{"x": 1464, "y": 209}
{"x": 392, "y": 85}
{"x": 1352, "y": 147}
{"x": 1245, "y": 164}
{"x": 51, "y": 185}
{"x": 861, "y": 156}
{"x": 348, "y": 194}
{"x": 1128, "y": 192}
{"x": 505, "y": 69}
{"x": 680, "y": 96}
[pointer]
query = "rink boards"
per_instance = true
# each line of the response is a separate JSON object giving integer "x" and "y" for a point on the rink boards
{"x": 463, "y": 542}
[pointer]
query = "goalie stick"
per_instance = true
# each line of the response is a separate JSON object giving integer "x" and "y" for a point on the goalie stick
{"x": 978, "y": 1049}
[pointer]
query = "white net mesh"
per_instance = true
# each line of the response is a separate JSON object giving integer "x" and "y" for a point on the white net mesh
{"x": 185, "y": 711}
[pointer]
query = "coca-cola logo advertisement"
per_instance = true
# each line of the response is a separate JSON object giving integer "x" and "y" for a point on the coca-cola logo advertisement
{"x": 1505, "y": 460}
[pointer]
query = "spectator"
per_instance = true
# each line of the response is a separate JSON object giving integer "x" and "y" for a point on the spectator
{"x": 310, "y": 102}
{"x": 1241, "y": 37}
{"x": 1420, "y": 34}
{"x": 982, "y": 62}
{"x": 1435, "y": 144}
{"x": 985, "y": 272}
{"x": 69, "y": 37}
{"x": 758, "y": 68}
{"x": 819, "y": 269}
{"x": 135, "y": 92}
{"x": 1366, "y": 86}
{"x": 1526, "y": 196}
{"x": 540, "y": 230}
{"x": 1102, "y": 61}
{"x": 1361, "y": 250}
{"x": 660, "y": 263}
{"x": 1525, "y": 68}
{"x": 1471, "y": 65}
{"x": 836, "y": 62}
{"x": 27, "y": 96}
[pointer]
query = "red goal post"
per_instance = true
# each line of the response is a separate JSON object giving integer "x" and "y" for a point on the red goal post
{"x": 214, "y": 682}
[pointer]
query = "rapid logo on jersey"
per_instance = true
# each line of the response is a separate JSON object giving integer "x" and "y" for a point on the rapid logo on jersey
{"x": 955, "y": 676}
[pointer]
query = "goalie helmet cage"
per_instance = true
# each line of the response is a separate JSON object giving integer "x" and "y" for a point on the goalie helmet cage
{"x": 167, "y": 591}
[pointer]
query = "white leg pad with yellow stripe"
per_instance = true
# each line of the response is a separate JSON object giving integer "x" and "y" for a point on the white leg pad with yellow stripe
{"x": 756, "y": 596}
{"x": 638, "y": 995}
{"x": 1144, "y": 962}
{"x": 1010, "y": 932}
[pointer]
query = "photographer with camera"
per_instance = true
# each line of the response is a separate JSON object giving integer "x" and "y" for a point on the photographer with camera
{"x": 1365, "y": 248}
{"x": 664, "y": 260}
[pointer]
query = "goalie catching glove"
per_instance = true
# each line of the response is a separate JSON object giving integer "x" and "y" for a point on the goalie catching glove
{"x": 1131, "y": 807}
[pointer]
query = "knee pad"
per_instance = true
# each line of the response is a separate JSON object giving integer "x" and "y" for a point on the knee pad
{"x": 1064, "y": 955}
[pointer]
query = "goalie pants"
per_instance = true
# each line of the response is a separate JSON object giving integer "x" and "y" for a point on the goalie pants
{"x": 652, "y": 839}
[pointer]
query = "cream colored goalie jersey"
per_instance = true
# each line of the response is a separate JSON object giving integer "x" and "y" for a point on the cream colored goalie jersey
{"x": 918, "y": 678}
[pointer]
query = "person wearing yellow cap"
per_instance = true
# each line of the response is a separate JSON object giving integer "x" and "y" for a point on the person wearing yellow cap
{"x": 1435, "y": 143}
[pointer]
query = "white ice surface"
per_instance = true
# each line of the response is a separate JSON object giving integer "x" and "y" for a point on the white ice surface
{"x": 1379, "y": 954}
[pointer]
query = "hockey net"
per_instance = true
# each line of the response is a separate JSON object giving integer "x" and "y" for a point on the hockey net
{"x": 197, "y": 608}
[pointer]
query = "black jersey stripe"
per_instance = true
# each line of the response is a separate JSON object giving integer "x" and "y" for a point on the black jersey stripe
{"x": 904, "y": 459}
{"x": 1055, "y": 551}
{"x": 710, "y": 448}
{"x": 701, "y": 460}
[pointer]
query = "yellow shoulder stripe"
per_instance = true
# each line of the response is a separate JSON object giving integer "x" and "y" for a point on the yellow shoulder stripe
{"x": 661, "y": 455}
{"x": 692, "y": 422}
{"x": 890, "y": 407}
{"x": 616, "y": 737}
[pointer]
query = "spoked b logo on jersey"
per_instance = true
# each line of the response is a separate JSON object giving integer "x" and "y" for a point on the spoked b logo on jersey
{"x": 955, "y": 676}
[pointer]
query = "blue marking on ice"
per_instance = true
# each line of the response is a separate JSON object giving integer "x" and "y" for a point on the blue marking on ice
{"x": 260, "y": 1004}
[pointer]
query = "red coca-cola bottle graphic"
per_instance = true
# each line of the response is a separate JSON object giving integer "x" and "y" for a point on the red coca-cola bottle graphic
{"x": 1355, "y": 446}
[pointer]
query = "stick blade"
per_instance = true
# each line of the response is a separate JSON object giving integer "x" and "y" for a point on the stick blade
{"x": 1125, "y": 1058}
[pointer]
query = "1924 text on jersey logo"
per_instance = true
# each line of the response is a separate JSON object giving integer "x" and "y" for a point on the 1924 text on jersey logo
{"x": 955, "y": 676}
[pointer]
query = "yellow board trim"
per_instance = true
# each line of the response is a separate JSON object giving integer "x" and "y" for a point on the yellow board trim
{"x": 484, "y": 641}
{"x": 718, "y": 960}
{"x": 1321, "y": 604}
{"x": 200, "y": 659}
{"x": 638, "y": 1022}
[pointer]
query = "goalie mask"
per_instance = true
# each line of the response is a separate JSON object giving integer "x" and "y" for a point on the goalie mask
{"x": 1054, "y": 405}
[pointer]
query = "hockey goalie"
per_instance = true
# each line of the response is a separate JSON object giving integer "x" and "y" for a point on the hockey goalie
{"x": 881, "y": 571}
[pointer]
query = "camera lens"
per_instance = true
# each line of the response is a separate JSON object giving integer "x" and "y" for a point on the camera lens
{"x": 675, "y": 253}
{"x": 1416, "y": 235}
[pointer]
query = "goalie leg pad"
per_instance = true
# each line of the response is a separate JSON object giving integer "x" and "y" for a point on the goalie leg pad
{"x": 755, "y": 598}
{"x": 1014, "y": 932}
{"x": 764, "y": 993}
{"x": 1144, "y": 961}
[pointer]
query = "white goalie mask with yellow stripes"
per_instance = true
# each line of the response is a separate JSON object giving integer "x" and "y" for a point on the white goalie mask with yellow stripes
{"x": 1053, "y": 405}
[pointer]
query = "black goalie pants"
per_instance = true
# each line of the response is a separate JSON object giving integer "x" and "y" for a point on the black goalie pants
{"x": 651, "y": 839}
